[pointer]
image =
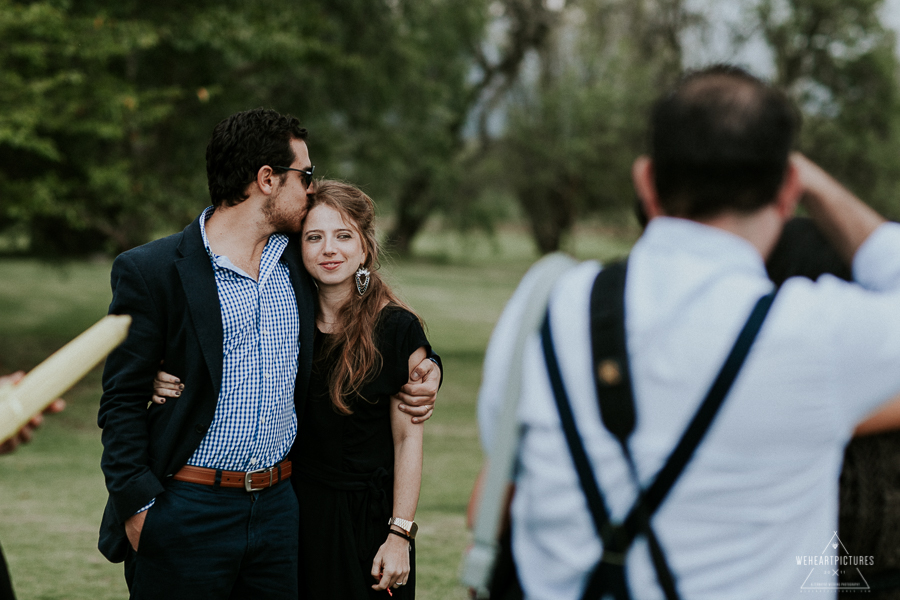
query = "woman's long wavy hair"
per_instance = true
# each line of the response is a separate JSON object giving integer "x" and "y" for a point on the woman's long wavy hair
{"x": 353, "y": 338}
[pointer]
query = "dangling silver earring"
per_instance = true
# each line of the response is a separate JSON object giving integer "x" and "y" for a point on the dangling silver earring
{"x": 362, "y": 280}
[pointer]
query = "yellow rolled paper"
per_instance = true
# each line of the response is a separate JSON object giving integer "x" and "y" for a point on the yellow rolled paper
{"x": 63, "y": 369}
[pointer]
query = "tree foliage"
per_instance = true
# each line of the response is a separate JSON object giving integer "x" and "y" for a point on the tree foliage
{"x": 432, "y": 106}
{"x": 577, "y": 124}
{"x": 840, "y": 64}
{"x": 107, "y": 107}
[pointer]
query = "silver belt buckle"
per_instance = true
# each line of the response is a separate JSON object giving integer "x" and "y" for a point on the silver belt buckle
{"x": 248, "y": 483}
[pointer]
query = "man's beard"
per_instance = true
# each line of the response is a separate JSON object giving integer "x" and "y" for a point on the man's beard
{"x": 281, "y": 219}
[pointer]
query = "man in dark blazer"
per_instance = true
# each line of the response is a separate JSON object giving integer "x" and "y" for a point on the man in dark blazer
{"x": 228, "y": 306}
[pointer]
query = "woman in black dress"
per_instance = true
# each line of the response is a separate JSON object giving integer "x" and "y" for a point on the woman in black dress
{"x": 357, "y": 459}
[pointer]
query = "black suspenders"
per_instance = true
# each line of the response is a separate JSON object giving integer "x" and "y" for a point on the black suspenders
{"x": 612, "y": 379}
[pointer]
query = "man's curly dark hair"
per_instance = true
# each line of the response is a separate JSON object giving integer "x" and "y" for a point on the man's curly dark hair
{"x": 241, "y": 145}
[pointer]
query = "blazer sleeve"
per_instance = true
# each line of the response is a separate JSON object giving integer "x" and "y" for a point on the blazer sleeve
{"x": 127, "y": 385}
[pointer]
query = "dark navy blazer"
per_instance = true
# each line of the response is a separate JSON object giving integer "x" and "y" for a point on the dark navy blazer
{"x": 169, "y": 289}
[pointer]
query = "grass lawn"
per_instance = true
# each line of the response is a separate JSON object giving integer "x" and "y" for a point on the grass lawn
{"x": 52, "y": 492}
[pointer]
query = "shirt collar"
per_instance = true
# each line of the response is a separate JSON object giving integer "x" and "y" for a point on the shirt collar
{"x": 271, "y": 254}
{"x": 673, "y": 236}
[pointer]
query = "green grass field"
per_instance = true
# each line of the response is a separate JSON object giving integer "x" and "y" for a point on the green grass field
{"x": 52, "y": 492}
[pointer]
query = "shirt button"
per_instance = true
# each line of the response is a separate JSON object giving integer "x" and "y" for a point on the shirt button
{"x": 266, "y": 376}
{"x": 265, "y": 332}
{"x": 262, "y": 420}
{"x": 252, "y": 461}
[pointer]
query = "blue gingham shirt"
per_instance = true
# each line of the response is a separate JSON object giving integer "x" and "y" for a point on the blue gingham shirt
{"x": 255, "y": 421}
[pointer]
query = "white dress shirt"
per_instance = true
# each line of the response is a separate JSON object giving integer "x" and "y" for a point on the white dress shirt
{"x": 756, "y": 508}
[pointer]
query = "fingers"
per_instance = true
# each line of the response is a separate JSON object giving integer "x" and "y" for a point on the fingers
{"x": 422, "y": 370}
{"x": 133, "y": 527}
{"x": 393, "y": 578}
{"x": 166, "y": 392}
{"x": 9, "y": 445}
{"x": 418, "y": 390}
{"x": 377, "y": 566}
{"x": 424, "y": 417}
{"x": 56, "y": 406}
{"x": 419, "y": 414}
{"x": 412, "y": 409}
{"x": 166, "y": 386}
{"x": 427, "y": 386}
{"x": 420, "y": 408}
{"x": 418, "y": 394}
{"x": 170, "y": 389}
{"x": 391, "y": 565}
{"x": 25, "y": 434}
{"x": 12, "y": 378}
{"x": 164, "y": 377}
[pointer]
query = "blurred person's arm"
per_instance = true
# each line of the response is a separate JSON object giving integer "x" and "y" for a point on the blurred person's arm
{"x": 845, "y": 220}
{"x": 24, "y": 435}
{"x": 475, "y": 500}
{"x": 847, "y": 223}
{"x": 886, "y": 418}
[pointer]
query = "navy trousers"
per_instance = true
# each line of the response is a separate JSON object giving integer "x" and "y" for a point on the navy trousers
{"x": 202, "y": 541}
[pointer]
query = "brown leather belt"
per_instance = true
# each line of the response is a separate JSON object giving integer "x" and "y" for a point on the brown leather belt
{"x": 252, "y": 481}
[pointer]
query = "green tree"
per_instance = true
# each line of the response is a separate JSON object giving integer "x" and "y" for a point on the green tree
{"x": 574, "y": 128}
{"x": 479, "y": 67}
{"x": 109, "y": 105}
{"x": 838, "y": 61}
{"x": 65, "y": 121}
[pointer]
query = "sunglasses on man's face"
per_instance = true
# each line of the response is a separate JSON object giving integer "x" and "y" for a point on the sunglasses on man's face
{"x": 306, "y": 175}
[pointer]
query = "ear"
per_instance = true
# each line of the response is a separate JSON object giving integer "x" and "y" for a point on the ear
{"x": 266, "y": 180}
{"x": 645, "y": 186}
{"x": 789, "y": 193}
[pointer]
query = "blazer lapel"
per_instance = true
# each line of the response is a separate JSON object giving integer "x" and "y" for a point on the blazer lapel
{"x": 303, "y": 290}
{"x": 199, "y": 283}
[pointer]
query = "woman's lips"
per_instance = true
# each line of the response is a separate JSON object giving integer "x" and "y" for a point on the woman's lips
{"x": 330, "y": 266}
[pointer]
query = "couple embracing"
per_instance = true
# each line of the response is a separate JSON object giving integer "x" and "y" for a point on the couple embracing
{"x": 288, "y": 359}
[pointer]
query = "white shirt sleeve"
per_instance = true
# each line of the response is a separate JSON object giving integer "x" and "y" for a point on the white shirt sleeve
{"x": 876, "y": 265}
{"x": 498, "y": 360}
{"x": 866, "y": 334}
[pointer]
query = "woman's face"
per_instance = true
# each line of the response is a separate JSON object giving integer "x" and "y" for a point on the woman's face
{"x": 332, "y": 247}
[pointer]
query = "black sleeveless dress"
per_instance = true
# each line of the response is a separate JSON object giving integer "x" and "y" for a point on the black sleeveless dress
{"x": 343, "y": 471}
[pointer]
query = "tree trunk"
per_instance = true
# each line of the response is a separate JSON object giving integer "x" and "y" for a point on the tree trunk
{"x": 413, "y": 208}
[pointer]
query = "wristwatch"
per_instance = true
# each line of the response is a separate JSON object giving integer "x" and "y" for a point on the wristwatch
{"x": 409, "y": 527}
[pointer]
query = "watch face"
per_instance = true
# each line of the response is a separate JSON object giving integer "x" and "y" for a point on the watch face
{"x": 413, "y": 530}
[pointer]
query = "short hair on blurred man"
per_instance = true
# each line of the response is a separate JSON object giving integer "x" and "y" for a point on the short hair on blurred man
{"x": 720, "y": 141}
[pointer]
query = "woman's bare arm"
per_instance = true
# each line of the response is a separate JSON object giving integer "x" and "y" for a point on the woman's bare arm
{"x": 391, "y": 564}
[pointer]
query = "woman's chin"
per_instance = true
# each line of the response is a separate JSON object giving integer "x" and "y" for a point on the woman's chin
{"x": 333, "y": 281}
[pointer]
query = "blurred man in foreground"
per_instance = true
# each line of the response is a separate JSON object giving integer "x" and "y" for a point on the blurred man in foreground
{"x": 757, "y": 504}
{"x": 23, "y": 436}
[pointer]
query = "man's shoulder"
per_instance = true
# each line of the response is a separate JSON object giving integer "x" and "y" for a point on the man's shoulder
{"x": 165, "y": 249}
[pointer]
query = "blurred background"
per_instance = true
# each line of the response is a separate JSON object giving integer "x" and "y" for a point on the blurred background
{"x": 463, "y": 113}
{"x": 487, "y": 131}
